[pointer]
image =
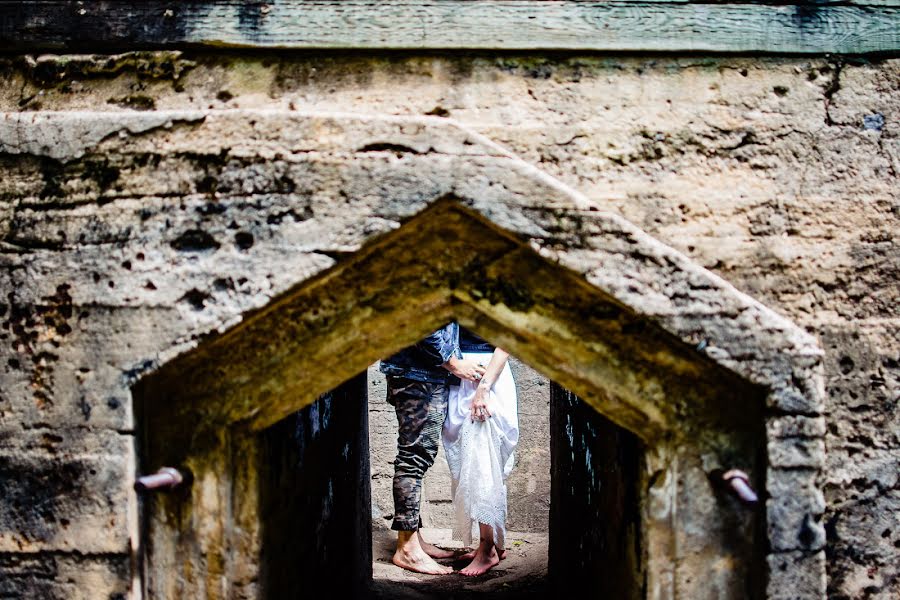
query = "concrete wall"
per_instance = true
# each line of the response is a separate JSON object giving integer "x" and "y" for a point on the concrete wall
{"x": 528, "y": 485}
{"x": 780, "y": 174}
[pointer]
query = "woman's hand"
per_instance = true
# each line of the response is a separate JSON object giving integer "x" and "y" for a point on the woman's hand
{"x": 480, "y": 411}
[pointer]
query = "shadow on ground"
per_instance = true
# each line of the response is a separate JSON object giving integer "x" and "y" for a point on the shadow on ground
{"x": 521, "y": 575}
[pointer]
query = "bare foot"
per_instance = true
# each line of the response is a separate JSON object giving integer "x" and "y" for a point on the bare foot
{"x": 484, "y": 561}
{"x": 433, "y": 551}
{"x": 412, "y": 557}
{"x": 420, "y": 563}
{"x": 471, "y": 554}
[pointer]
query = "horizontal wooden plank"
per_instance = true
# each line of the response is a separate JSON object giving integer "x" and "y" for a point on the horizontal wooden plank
{"x": 453, "y": 24}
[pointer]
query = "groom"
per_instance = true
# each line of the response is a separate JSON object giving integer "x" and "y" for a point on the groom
{"x": 418, "y": 386}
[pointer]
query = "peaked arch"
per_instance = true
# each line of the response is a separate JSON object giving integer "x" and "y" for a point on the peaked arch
{"x": 642, "y": 318}
{"x": 448, "y": 262}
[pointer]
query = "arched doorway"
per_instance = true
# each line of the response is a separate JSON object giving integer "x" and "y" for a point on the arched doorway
{"x": 687, "y": 415}
{"x": 333, "y": 184}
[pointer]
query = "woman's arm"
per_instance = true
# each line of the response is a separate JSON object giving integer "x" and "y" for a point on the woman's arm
{"x": 480, "y": 410}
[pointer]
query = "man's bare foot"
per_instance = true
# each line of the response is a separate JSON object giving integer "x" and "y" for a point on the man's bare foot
{"x": 412, "y": 557}
{"x": 484, "y": 560}
{"x": 433, "y": 551}
{"x": 419, "y": 562}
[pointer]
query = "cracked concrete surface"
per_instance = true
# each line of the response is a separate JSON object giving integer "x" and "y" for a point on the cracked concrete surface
{"x": 777, "y": 174}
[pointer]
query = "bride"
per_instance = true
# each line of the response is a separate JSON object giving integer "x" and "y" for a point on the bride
{"x": 480, "y": 434}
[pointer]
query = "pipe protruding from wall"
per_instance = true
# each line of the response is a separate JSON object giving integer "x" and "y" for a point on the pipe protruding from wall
{"x": 739, "y": 484}
{"x": 164, "y": 479}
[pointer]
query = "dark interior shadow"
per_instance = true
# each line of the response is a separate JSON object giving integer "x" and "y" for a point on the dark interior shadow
{"x": 315, "y": 504}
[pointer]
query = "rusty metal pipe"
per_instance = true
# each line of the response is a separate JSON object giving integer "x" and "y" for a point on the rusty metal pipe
{"x": 739, "y": 483}
{"x": 164, "y": 479}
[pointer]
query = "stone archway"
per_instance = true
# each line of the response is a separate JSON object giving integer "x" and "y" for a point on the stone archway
{"x": 685, "y": 409}
{"x": 642, "y": 334}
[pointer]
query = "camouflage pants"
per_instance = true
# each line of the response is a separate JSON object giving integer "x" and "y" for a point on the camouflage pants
{"x": 421, "y": 408}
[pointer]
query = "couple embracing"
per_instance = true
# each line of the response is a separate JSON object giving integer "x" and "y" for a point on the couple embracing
{"x": 456, "y": 387}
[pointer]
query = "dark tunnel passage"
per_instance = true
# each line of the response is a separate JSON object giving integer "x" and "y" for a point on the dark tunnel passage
{"x": 316, "y": 515}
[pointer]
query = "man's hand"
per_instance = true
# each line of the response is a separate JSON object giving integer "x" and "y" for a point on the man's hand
{"x": 464, "y": 369}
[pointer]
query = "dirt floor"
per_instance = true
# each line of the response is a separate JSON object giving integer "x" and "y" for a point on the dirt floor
{"x": 521, "y": 575}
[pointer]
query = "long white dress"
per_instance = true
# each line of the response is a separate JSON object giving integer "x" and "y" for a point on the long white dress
{"x": 481, "y": 454}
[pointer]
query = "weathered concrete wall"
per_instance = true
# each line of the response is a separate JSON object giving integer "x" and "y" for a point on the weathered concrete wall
{"x": 779, "y": 174}
{"x": 528, "y": 485}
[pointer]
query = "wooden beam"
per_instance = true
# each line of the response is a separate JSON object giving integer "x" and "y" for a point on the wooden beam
{"x": 864, "y": 26}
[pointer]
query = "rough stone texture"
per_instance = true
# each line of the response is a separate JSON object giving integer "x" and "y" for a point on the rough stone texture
{"x": 65, "y": 576}
{"x": 60, "y": 495}
{"x": 778, "y": 174}
{"x": 784, "y": 585}
{"x": 490, "y": 234}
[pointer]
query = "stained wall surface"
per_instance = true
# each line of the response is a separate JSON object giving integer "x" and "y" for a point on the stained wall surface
{"x": 780, "y": 174}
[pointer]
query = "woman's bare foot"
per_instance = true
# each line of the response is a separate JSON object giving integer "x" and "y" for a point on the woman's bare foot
{"x": 411, "y": 556}
{"x": 433, "y": 551}
{"x": 485, "y": 559}
{"x": 471, "y": 554}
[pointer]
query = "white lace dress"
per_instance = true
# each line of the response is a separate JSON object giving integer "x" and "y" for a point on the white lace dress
{"x": 481, "y": 454}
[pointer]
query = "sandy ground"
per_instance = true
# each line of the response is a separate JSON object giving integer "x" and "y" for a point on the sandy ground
{"x": 521, "y": 575}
